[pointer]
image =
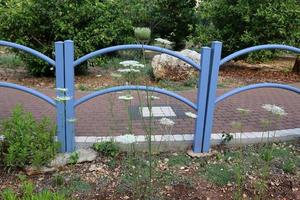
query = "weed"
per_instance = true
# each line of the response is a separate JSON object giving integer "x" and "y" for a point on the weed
{"x": 73, "y": 158}
{"x": 179, "y": 160}
{"x": 289, "y": 166}
{"x": 219, "y": 173}
{"x": 110, "y": 148}
{"x": 58, "y": 180}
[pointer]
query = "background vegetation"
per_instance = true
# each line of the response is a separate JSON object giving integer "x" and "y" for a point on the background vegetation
{"x": 94, "y": 24}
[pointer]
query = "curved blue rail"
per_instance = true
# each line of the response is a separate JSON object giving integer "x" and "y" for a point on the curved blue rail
{"x": 135, "y": 87}
{"x": 257, "y": 48}
{"x": 28, "y": 50}
{"x": 256, "y": 86}
{"x": 29, "y": 91}
{"x": 137, "y": 46}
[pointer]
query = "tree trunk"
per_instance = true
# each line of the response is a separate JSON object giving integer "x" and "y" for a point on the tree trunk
{"x": 296, "y": 67}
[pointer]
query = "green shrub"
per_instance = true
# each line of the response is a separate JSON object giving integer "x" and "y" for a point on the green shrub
{"x": 29, "y": 193}
{"x": 244, "y": 23}
{"x": 109, "y": 148}
{"x": 171, "y": 19}
{"x": 26, "y": 141}
{"x": 38, "y": 24}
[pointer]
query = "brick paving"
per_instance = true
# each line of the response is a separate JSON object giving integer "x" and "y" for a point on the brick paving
{"x": 95, "y": 118}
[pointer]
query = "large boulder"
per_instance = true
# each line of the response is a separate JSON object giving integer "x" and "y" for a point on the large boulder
{"x": 171, "y": 68}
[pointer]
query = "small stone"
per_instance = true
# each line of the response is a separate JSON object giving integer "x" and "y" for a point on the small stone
{"x": 84, "y": 155}
{"x": 192, "y": 154}
{"x": 30, "y": 170}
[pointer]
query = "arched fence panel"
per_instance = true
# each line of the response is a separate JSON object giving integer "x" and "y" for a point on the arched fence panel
{"x": 199, "y": 106}
{"x": 211, "y": 61}
{"x": 138, "y": 88}
{"x": 215, "y": 64}
{"x": 59, "y": 68}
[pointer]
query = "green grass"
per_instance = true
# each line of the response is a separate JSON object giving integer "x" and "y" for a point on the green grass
{"x": 10, "y": 61}
{"x": 219, "y": 173}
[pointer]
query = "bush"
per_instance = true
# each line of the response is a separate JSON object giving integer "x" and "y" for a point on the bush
{"x": 38, "y": 23}
{"x": 28, "y": 193}
{"x": 172, "y": 19}
{"x": 107, "y": 148}
{"x": 27, "y": 141}
{"x": 244, "y": 23}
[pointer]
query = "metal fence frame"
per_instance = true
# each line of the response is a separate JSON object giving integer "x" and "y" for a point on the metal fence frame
{"x": 207, "y": 100}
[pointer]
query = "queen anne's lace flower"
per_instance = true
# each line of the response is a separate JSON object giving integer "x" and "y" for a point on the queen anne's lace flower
{"x": 154, "y": 97}
{"x": 166, "y": 121}
{"x": 163, "y": 41}
{"x": 126, "y": 97}
{"x": 115, "y": 75}
{"x": 128, "y": 70}
{"x": 277, "y": 110}
{"x": 132, "y": 63}
{"x": 243, "y": 110}
{"x": 191, "y": 115}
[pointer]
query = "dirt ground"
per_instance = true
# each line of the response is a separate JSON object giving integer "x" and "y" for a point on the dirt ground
{"x": 231, "y": 75}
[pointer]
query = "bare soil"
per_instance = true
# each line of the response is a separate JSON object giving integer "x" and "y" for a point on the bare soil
{"x": 233, "y": 74}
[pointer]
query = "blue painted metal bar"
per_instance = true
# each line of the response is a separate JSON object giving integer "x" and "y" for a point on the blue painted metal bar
{"x": 212, "y": 89}
{"x": 134, "y": 87}
{"x": 60, "y": 106}
{"x": 28, "y": 50}
{"x": 256, "y": 86}
{"x": 29, "y": 91}
{"x": 69, "y": 84}
{"x": 137, "y": 46}
{"x": 257, "y": 48}
{"x": 202, "y": 99}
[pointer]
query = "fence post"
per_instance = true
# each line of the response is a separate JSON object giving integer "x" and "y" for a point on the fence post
{"x": 60, "y": 106}
{"x": 212, "y": 89}
{"x": 202, "y": 98}
{"x": 69, "y": 100}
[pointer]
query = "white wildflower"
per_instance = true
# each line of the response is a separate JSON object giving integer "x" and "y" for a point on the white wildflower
{"x": 52, "y": 68}
{"x": 127, "y": 139}
{"x": 154, "y": 97}
{"x": 128, "y": 70}
{"x": 115, "y": 75}
{"x": 163, "y": 41}
{"x": 62, "y": 89}
{"x": 166, "y": 121}
{"x": 243, "y": 110}
{"x": 191, "y": 115}
{"x": 62, "y": 98}
{"x": 127, "y": 97}
{"x": 277, "y": 110}
{"x": 127, "y": 63}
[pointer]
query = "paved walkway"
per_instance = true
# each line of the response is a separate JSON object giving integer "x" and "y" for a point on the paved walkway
{"x": 95, "y": 118}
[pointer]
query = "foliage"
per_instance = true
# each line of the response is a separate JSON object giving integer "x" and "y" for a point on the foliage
{"x": 109, "y": 148}
{"x": 73, "y": 158}
{"x": 27, "y": 141}
{"x": 219, "y": 173}
{"x": 29, "y": 194}
{"x": 170, "y": 19}
{"x": 244, "y": 23}
{"x": 37, "y": 24}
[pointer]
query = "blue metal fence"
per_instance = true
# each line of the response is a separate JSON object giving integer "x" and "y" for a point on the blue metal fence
{"x": 211, "y": 61}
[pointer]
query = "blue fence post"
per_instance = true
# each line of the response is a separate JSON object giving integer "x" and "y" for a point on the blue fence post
{"x": 201, "y": 99}
{"x": 69, "y": 98}
{"x": 60, "y": 106}
{"x": 212, "y": 89}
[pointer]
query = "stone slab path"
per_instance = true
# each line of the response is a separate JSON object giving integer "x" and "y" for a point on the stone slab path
{"x": 108, "y": 116}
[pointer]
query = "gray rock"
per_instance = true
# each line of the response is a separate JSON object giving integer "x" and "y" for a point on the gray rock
{"x": 171, "y": 68}
{"x": 84, "y": 155}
